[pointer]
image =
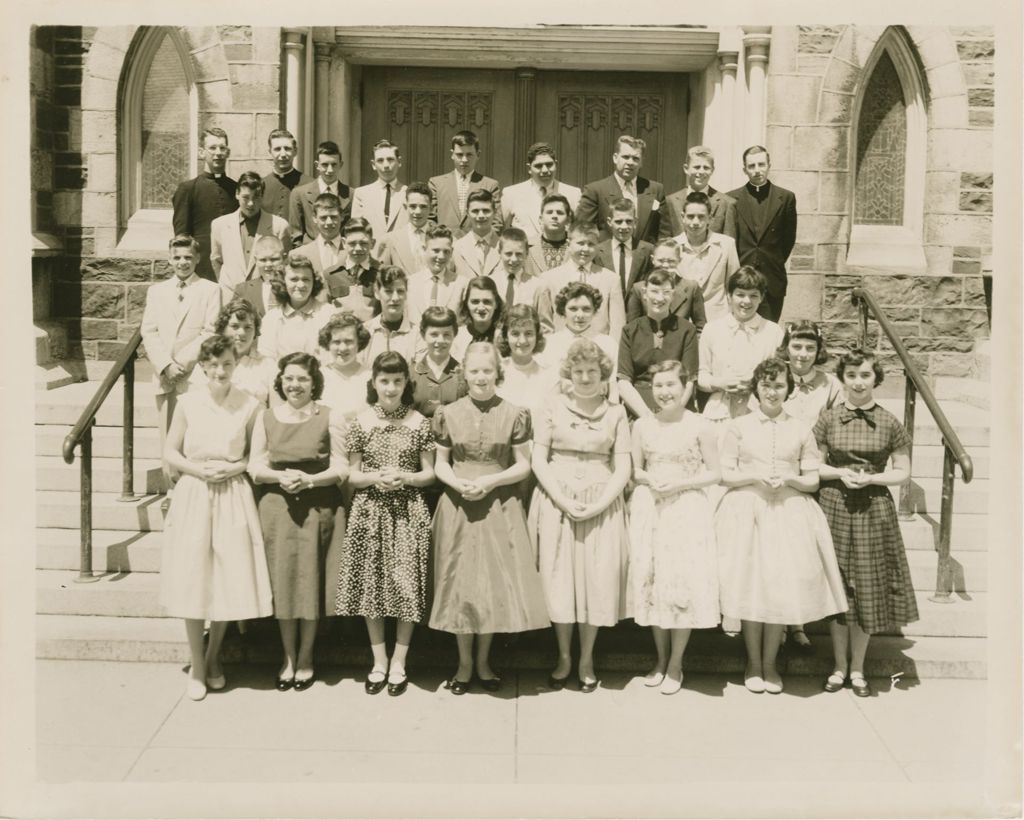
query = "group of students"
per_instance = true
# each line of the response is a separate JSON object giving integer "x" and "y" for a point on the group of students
{"x": 534, "y": 459}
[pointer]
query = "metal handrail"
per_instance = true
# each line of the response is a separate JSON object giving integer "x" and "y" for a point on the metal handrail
{"x": 81, "y": 437}
{"x": 953, "y": 449}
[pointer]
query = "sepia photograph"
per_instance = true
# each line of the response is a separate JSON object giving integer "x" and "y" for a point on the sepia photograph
{"x": 541, "y": 412}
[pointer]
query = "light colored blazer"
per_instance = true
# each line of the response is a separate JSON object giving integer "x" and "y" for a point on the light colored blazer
{"x": 451, "y": 289}
{"x": 173, "y": 330}
{"x": 711, "y": 272}
{"x": 226, "y": 254}
{"x": 396, "y": 249}
{"x": 520, "y": 205}
{"x": 445, "y": 200}
{"x": 368, "y": 202}
{"x": 466, "y": 259}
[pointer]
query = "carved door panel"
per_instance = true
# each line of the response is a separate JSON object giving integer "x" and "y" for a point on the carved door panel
{"x": 420, "y": 109}
{"x": 583, "y": 113}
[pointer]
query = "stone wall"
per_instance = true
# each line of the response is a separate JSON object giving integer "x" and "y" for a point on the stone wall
{"x": 96, "y": 290}
{"x": 815, "y": 75}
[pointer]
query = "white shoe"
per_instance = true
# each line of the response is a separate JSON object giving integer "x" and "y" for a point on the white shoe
{"x": 196, "y": 689}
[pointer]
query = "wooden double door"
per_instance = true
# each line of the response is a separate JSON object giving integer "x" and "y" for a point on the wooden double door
{"x": 580, "y": 113}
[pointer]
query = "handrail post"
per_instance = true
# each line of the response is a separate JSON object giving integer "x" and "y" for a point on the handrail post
{"x": 85, "y": 574}
{"x": 128, "y": 434}
{"x": 944, "y": 568}
{"x": 910, "y": 404}
{"x": 862, "y": 305}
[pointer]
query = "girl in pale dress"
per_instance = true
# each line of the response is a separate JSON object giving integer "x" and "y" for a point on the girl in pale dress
{"x": 777, "y": 564}
{"x": 804, "y": 348}
{"x": 581, "y": 457}
{"x": 214, "y": 567}
{"x": 254, "y": 373}
{"x": 484, "y": 572}
{"x": 673, "y": 576}
{"x": 480, "y": 314}
{"x": 530, "y": 380}
{"x": 298, "y": 459}
{"x": 294, "y": 325}
{"x": 579, "y": 302}
{"x": 343, "y": 338}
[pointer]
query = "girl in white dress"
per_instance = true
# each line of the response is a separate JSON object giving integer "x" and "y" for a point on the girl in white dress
{"x": 214, "y": 567}
{"x": 254, "y": 373}
{"x": 673, "y": 576}
{"x": 342, "y": 339}
{"x": 529, "y": 379}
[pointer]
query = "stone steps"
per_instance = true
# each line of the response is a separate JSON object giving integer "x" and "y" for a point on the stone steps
{"x": 107, "y": 442}
{"x": 53, "y": 474}
{"x": 61, "y": 510}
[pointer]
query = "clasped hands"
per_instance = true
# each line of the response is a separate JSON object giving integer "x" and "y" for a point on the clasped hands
{"x": 854, "y": 479}
{"x": 214, "y": 471}
{"x": 390, "y": 479}
{"x": 473, "y": 490}
{"x": 293, "y": 481}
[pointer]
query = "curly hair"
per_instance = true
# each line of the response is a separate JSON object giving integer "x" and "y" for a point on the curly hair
{"x": 340, "y": 321}
{"x": 573, "y": 291}
{"x": 857, "y": 357}
{"x": 585, "y": 351}
{"x": 771, "y": 368}
{"x": 237, "y": 308}
{"x": 296, "y": 262}
{"x": 804, "y": 329}
{"x": 307, "y": 362}
{"x": 214, "y": 347}
{"x": 393, "y": 363}
{"x": 515, "y": 315}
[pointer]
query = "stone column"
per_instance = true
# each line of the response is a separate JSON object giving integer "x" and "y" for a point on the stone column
{"x": 525, "y": 114}
{"x": 322, "y": 78}
{"x": 294, "y": 71}
{"x": 728, "y": 62}
{"x": 756, "y": 40}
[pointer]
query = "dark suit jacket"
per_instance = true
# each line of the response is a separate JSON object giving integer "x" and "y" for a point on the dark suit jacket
{"x": 767, "y": 249}
{"x": 300, "y": 210}
{"x": 197, "y": 202}
{"x": 444, "y": 205}
{"x": 639, "y": 267}
{"x": 596, "y": 199}
{"x": 723, "y": 214}
{"x": 278, "y": 191}
{"x": 252, "y": 291}
{"x": 687, "y": 303}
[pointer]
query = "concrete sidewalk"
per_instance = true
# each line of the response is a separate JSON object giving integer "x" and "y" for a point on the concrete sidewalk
{"x": 105, "y": 722}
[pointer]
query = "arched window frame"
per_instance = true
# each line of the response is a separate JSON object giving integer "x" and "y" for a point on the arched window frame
{"x": 147, "y": 228}
{"x": 894, "y": 246}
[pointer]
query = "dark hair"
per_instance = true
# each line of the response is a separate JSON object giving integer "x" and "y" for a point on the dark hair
{"x": 517, "y": 314}
{"x": 340, "y": 321}
{"x": 438, "y": 316}
{"x": 420, "y": 188}
{"x": 438, "y": 232}
{"x": 357, "y": 224}
{"x": 328, "y": 148}
{"x": 237, "y": 308}
{"x": 574, "y": 290}
{"x": 214, "y": 346}
{"x": 390, "y": 362}
{"x": 659, "y": 277}
{"x": 281, "y": 133}
{"x": 755, "y": 149}
{"x": 557, "y": 198}
{"x": 698, "y": 198}
{"x": 513, "y": 235}
{"x": 479, "y": 195}
{"x": 623, "y": 205}
{"x": 539, "y": 148}
{"x": 326, "y": 200}
{"x": 804, "y": 329}
{"x": 379, "y": 144}
{"x": 748, "y": 278}
{"x": 306, "y": 361}
{"x": 770, "y": 368}
{"x": 481, "y": 283}
{"x": 467, "y": 139}
{"x": 296, "y": 261}
{"x": 389, "y": 275}
{"x": 183, "y": 240}
{"x": 218, "y": 133}
{"x": 857, "y": 357}
{"x": 251, "y": 180}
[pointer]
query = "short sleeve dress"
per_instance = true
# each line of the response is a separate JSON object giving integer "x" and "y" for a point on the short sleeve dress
{"x": 300, "y": 529}
{"x": 582, "y": 563}
{"x": 485, "y": 578}
{"x": 673, "y": 566}
{"x": 213, "y": 562}
{"x": 813, "y": 393}
{"x": 864, "y": 525}
{"x": 383, "y": 572}
{"x": 776, "y": 563}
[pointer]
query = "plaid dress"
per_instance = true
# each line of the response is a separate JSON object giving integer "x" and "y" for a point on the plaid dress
{"x": 865, "y": 529}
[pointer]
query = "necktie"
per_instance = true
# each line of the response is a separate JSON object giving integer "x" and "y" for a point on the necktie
{"x": 543, "y": 192}
{"x": 622, "y": 262}
{"x": 433, "y": 289}
{"x": 583, "y": 273}
{"x": 510, "y": 292}
{"x": 387, "y": 201}
{"x": 482, "y": 247}
{"x": 181, "y": 290}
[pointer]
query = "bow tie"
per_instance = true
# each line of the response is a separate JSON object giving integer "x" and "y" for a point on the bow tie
{"x": 847, "y": 415}
{"x": 670, "y": 322}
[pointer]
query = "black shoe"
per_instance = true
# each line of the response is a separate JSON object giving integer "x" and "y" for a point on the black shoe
{"x": 395, "y": 689}
{"x": 284, "y": 684}
{"x": 374, "y": 687}
{"x": 303, "y": 685}
{"x": 457, "y": 687}
{"x": 588, "y": 687}
{"x": 557, "y": 684}
{"x": 860, "y": 686}
{"x": 490, "y": 684}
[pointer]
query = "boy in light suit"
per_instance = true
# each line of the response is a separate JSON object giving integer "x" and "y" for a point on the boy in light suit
{"x": 521, "y": 203}
{"x": 382, "y": 202}
{"x": 450, "y": 192}
{"x": 476, "y": 254}
{"x": 405, "y": 246}
{"x": 437, "y": 283}
{"x": 180, "y": 313}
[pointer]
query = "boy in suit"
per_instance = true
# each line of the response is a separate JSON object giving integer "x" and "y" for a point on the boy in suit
{"x": 765, "y": 228}
{"x": 625, "y": 182}
{"x": 552, "y": 248}
{"x": 279, "y": 184}
{"x": 356, "y": 272}
{"x": 628, "y": 256}
{"x": 269, "y": 254}
{"x": 516, "y": 284}
{"x": 325, "y": 253}
{"x": 233, "y": 235}
{"x": 699, "y": 166}
{"x": 437, "y": 283}
{"x": 521, "y": 203}
{"x": 301, "y": 215}
{"x": 611, "y": 313}
{"x": 405, "y": 246}
{"x": 706, "y": 258}
{"x": 382, "y": 202}
{"x": 450, "y": 192}
{"x": 180, "y": 313}
{"x": 687, "y": 301}
{"x": 200, "y": 200}
{"x": 476, "y": 254}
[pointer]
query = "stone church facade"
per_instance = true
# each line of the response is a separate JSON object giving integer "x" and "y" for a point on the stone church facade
{"x": 884, "y": 134}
